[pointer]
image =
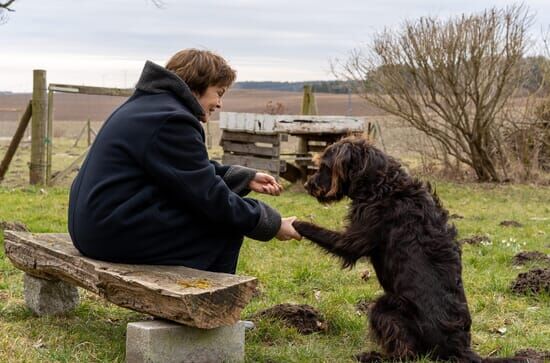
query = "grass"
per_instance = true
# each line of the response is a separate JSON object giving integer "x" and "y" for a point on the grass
{"x": 298, "y": 272}
{"x": 291, "y": 271}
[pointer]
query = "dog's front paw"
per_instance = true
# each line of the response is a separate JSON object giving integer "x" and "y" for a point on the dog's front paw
{"x": 302, "y": 227}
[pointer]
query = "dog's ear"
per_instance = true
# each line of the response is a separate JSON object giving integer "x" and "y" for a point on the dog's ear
{"x": 341, "y": 162}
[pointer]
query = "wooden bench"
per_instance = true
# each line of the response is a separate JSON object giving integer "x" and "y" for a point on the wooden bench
{"x": 197, "y": 299}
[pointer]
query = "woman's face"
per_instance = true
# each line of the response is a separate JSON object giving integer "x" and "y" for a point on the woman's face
{"x": 211, "y": 100}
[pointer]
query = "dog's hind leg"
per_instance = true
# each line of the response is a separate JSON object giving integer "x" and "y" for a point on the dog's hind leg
{"x": 370, "y": 357}
{"x": 389, "y": 329}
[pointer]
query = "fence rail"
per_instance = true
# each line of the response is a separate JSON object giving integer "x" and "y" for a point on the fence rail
{"x": 89, "y": 90}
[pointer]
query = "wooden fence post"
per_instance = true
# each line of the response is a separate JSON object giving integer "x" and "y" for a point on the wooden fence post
{"x": 49, "y": 138}
{"x": 89, "y": 126}
{"x": 309, "y": 105}
{"x": 37, "y": 170}
{"x": 16, "y": 139}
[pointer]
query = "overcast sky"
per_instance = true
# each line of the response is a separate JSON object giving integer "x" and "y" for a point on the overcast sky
{"x": 105, "y": 42}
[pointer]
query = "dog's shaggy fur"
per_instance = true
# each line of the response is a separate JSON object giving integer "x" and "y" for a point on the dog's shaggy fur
{"x": 399, "y": 223}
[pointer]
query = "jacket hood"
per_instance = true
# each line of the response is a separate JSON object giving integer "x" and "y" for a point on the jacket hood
{"x": 157, "y": 79}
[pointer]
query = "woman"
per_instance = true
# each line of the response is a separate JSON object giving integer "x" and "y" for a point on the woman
{"x": 148, "y": 194}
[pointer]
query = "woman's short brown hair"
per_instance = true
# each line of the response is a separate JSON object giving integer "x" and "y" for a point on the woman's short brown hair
{"x": 201, "y": 69}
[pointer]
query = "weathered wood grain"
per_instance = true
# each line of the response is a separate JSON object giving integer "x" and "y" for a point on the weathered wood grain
{"x": 258, "y": 123}
{"x": 273, "y": 165}
{"x": 250, "y": 149}
{"x": 89, "y": 90}
{"x": 250, "y": 138}
{"x": 192, "y": 297}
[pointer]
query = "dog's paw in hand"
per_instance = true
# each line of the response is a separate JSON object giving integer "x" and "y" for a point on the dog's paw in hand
{"x": 301, "y": 226}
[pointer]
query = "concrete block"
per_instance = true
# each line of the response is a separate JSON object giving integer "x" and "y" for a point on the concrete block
{"x": 49, "y": 297}
{"x": 163, "y": 341}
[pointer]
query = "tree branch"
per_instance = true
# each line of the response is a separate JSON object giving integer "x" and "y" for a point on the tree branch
{"x": 6, "y": 5}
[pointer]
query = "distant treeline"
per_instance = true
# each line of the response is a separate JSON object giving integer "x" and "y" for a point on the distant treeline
{"x": 533, "y": 69}
{"x": 318, "y": 86}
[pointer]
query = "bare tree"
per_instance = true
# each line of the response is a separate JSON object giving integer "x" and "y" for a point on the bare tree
{"x": 5, "y": 7}
{"x": 158, "y": 3}
{"x": 449, "y": 79}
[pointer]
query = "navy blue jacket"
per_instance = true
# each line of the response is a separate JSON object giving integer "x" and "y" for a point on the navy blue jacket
{"x": 147, "y": 192}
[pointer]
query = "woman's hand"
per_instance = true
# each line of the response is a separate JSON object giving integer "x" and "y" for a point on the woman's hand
{"x": 287, "y": 231}
{"x": 266, "y": 184}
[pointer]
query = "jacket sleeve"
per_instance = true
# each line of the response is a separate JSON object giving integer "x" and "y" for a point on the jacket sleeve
{"x": 236, "y": 177}
{"x": 176, "y": 158}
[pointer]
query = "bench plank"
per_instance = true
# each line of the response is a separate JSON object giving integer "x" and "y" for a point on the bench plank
{"x": 192, "y": 297}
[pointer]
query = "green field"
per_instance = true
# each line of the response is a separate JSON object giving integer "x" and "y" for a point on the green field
{"x": 298, "y": 272}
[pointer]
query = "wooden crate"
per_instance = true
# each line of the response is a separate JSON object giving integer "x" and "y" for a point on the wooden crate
{"x": 252, "y": 150}
{"x": 254, "y": 140}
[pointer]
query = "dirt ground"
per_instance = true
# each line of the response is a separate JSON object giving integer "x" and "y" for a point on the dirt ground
{"x": 531, "y": 256}
{"x": 72, "y": 111}
{"x": 305, "y": 318}
{"x": 532, "y": 282}
{"x": 70, "y": 131}
{"x": 534, "y": 356}
{"x": 71, "y": 107}
{"x": 474, "y": 240}
{"x": 510, "y": 224}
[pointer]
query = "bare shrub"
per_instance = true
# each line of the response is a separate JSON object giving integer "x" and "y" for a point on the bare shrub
{"x": 5, "y": 6}
{"x": 524, "y": 139}
{"x": 448, "y": 79}
{"x": 274, "y": 108}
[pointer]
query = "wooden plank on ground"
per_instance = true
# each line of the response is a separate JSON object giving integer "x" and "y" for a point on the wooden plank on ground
{"x": 250, "y": 149}
{"x": 196, "y": 298}
{"x": 274, "y": 165}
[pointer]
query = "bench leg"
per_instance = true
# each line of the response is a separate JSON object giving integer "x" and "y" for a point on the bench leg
{"x": 163, "y": 341}
{"x": 49, "y": 297}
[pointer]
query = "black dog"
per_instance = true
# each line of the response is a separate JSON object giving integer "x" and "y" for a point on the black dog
{"x": 399, "y": 223}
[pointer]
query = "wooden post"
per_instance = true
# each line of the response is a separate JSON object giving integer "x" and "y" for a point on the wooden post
{"x": 89, "y": 132}
{"x": 208, "y": 135}
{"x": 79, "y": 136}
{"x": 15, "y": 140}
{"x": 49, "y": 138}
{"x": 309, "y": 107}
{"x": 37, "y": 170}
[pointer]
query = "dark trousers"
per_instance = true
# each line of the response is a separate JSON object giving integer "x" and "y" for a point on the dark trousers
{"x": 227, "y": 259}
